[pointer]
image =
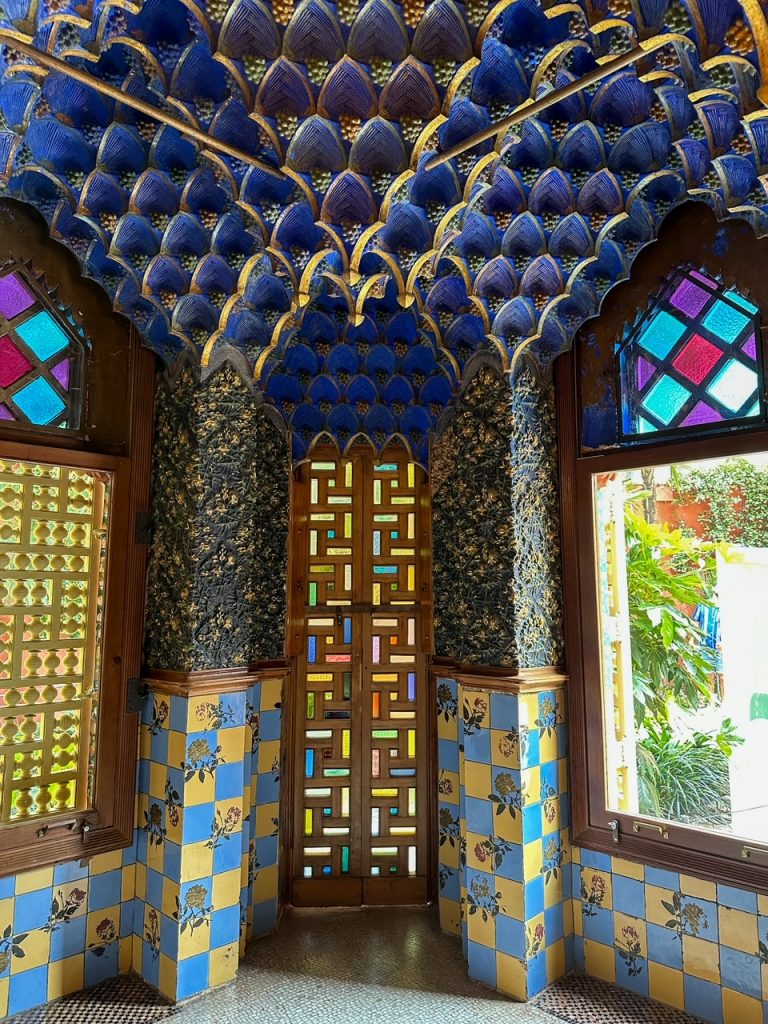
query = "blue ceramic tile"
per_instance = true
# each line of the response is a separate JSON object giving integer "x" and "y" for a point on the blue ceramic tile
{"x": 186, "y": 886}
{"x": 229, "y": 781}
{"x": 31, "y": 910}
{"x": 736, "y": 899}
{"x": 562, "y": 740}
{"x": 550, "y": 776}
{"x": 269, "y": 725}
{"x": 531, "y": 823}
{"x": 477, "y": 746}
{"x": 68, "y": 939}
{"x": 534, "y": 898}
{"x": 505, "y": 711}
{"x": 482, "y": 963}
{"x": 154, "y": 889}
{"x": 169, "y": 936}
{"x": 225, "y": 926}
{"x": 129, "y": 853}
{"x": 268, "y": 789}
{"x": 662, "y": 879}
{"x": 127, "y": 913}
{"x": 172, "y": 860}
{"x": 451, "y": 889}
{"x": 150, "y": 965}
{"x": 664, "y": 947}
{"x": 530, "y": 750}
{"x": 193, "y": 976}
{"x": 104, "y": 890}
{"x": 177, "y": 720}
{"x": 598, "y": 926}
{"x": 233, "y": 708}
{"x": 100, "y": 966}
{"x": 635, "y": 980}
{"x": 72, "y": 871}
{"x": 479, "y": 816}
{"x": 448, "y": 755}
{"x": 510, "y": 936}
{"x": 264, "y": 917}
{"x": 143, "y": 780}
{"x": 227, "y": 855}
{"x": 598, "y": 861}
{"x": 537, "y": 974}
{"x": 8, "y": 885}
{"x": 703, "y": 999}
{"x": 628, "y": 896}
{"x": 158, "y": 749}
{"x": 570, "y": 953}
{"x": 705, "y": 916}
{"x": 142, "y": 846}
{"x": 266, "y": 850}
{"x": 28, "y": 989}
{"x": 196, "y": 825}
{"x": 554, "y": 923}
{"x": 741, "y": 971}
{"x": 512, "y": 865}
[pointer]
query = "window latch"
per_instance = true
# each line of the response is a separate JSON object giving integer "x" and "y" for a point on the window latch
{"x": 613, "y": 825}
{"x": 748, "y": 852}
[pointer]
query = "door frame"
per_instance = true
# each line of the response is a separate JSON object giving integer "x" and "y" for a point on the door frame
{"x": 298, "y": 540}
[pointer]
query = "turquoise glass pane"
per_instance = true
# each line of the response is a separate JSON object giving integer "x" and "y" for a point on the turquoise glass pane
{"x": 741, "y": 301}
{"x": 39, "y": 402}
{"x": 43, "y": 335}
{"x": 661, "y": 335}
{"x": 734, "y": 385}
{"x": 666, "y": 399}
{"x": 725, "y": 321}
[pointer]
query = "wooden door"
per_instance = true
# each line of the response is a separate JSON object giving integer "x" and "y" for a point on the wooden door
{"x": 361, "y": 614}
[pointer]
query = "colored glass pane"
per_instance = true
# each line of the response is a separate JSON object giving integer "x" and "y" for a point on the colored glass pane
{"x": 749, "y": 347}
{"x": 43, "y": 335}
{"x": 697, "y": 359}
{"x": 689, "y": 298}
{"x": 734, "y": 385}
{"x": 61, "y": 372}
{"x": 725, "y": 321}
{"x": 666, "y": 399}
{"x": 741, "y": 301}
{"x": 14, "y": 297}
{"x": 13, "y": 363}
{"x": 645, "y": 371}
{"x": 39, "y": 402}
{"x": 661, "y": 334}
{"x": 5, "y": 413}
{"x": 700, "y": 415}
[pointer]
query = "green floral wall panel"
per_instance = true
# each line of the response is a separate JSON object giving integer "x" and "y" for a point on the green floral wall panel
{"x": 536, "y": 522}
{"x": 473, "y": 535}
{"x": 217, "y": 578}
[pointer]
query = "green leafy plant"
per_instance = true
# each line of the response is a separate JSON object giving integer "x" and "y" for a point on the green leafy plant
{"x": 686, "y": 779}
{"x": 667, "y": 573}
{"x": 736, "y": 496}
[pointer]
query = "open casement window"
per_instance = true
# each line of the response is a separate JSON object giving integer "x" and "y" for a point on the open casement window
{"x": 664, "y": 459}
{"x": 75, "y": 423}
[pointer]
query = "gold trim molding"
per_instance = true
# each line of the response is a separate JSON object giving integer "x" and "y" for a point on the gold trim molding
{"x": 215, "y": 680}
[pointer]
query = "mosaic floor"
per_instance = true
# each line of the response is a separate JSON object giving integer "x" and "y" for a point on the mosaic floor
{"x": 355, "y": 967}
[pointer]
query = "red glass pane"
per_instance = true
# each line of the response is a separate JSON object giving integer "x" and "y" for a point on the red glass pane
{"x": 697, "y": 359}
{"x": 13, "y": 362}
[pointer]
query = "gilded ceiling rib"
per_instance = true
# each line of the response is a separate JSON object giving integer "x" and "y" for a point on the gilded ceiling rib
{"x": 51, "y": 63}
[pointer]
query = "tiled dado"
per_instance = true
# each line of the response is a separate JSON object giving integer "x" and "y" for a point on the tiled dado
{"x": 65, "y": 928}
{"x": 692, "y": 944}
{"x": 207, "y": 846}
{"x": 504, "y": 859}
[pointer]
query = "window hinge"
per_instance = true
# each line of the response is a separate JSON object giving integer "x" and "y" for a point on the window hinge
{"x": 143, "y": 531}
{"x": 137, "y": 691}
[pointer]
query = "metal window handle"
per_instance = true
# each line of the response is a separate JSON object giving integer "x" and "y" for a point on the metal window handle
{"x": 637, "y": 827}
{"x": 613, "y": 825}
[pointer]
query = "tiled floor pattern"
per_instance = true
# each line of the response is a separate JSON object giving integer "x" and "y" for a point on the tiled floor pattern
{"x": 354, "y": 967}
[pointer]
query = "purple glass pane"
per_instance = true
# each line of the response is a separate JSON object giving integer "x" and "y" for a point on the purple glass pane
{"x": 14, "y": 297}
{"x": 645, "y": 371}
{"x": 61, "y": 373}
{"x": 706, "y": 280}
{"x": 689, "y": 298}
{"x": 750, "y": 348}
{"x": 701, "y": 414}
{"x": 5, "y": 413}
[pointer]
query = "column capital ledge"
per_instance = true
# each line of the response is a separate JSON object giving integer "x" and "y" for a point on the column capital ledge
{"x": 522, "y": 680}
{"x": 213, "y": 680}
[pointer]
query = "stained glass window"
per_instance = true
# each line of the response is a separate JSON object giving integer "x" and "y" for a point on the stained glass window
{"x": 693, "y": 361}
{"x": 41, "y": 357}
{"x": 53, "y": 552}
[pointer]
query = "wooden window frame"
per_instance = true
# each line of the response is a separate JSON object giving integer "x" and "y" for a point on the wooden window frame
{"x": 692, "y": 851}
{"x": 111, "y": 822}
